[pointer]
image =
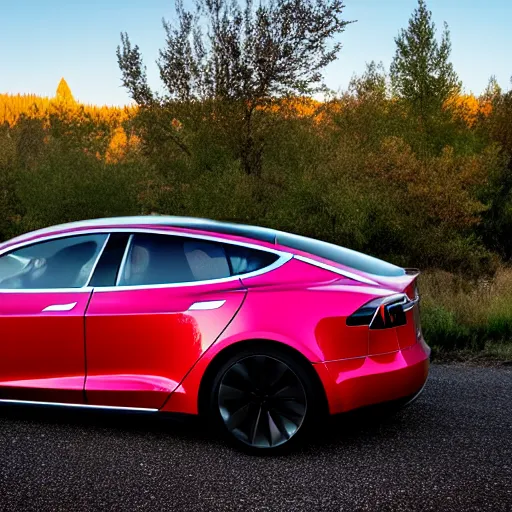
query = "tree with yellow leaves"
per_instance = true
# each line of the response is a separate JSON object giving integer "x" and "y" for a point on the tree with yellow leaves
{"x": 64, "y": 93}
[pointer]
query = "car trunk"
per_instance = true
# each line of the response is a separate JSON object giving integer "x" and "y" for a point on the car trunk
{"x": 404, "y": 336}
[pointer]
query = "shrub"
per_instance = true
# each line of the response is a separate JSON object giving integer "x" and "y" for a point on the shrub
{"x": 460, "y": 314}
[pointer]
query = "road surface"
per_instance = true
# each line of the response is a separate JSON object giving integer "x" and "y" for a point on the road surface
{"x": 450, "y": 450}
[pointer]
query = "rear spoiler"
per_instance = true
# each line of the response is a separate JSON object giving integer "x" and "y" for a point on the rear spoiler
{"x": 402, "y": 284}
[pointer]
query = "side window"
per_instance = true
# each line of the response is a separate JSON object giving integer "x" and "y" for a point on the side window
{"x": 244, "y": 260}
{"x": 59, "y": 263}
{"x": 164, "y": 259}
{"x": 207, "y": 260}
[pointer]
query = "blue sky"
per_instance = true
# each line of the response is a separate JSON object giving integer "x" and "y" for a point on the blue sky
{"x": 43, "y": 40}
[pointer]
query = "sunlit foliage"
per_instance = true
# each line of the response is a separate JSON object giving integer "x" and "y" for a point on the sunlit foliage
{"x": 420, "y": 181}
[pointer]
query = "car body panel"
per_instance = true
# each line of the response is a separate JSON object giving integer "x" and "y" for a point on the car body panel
{"x": 306, "y": 313}
{"x": 141, "y": 343}
{"x": 144, "y": 347}
{"x": 354, "y": 383}
{"x": 42, "y": 352}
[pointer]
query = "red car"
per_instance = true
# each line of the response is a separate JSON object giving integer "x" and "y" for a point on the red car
{"x": 263, "y": 332}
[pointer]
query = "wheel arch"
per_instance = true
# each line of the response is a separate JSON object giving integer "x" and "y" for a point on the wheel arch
{"x": 229, "y": 351}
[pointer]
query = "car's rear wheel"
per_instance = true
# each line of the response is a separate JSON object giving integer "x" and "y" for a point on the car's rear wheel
{"x": 264, "y": 401}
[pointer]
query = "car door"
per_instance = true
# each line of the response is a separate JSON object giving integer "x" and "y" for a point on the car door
{"x": 174, "y": 296}
{"x": 43, "y": 299}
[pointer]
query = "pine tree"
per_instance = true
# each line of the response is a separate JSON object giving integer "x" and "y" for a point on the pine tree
{"x": 421, "y": 72}
{"x": 64, "y": 92}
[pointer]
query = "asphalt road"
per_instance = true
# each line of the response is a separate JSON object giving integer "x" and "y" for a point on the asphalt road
{"x": 450, "y": 450}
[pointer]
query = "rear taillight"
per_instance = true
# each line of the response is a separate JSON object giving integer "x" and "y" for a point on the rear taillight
{"x": 383, "y": 313}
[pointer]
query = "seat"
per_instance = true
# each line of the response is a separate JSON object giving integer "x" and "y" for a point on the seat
{"x": 156, "y": 260}
{"x": 63, "y": 268}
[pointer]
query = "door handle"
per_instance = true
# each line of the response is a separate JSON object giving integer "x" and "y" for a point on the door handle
{"x": 60, "y": 307}
{"x": 206, "y": 305}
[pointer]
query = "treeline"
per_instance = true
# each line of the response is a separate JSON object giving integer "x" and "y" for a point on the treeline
{"x": 423, "y": 181}
{"x": 360, "y": 171}
{"x": 14, "y": 107}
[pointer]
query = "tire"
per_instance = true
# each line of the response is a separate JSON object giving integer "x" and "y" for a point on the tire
{"x": 264, "y": 400}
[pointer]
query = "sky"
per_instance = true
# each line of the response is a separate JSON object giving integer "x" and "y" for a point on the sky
{"x": 44, "y": 40}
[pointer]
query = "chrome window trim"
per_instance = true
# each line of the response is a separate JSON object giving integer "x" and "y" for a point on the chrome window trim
{"x": 124, "y": 259}
{"x": 80, "y": 406}
{"x": 108, "y": 223}
{"x": 107, "y": 230}
{"x": 85, "y": 289}
{"x": 278, "y": 263}
{"x": 336, "y": 270}
{"x": 284, "y": 257}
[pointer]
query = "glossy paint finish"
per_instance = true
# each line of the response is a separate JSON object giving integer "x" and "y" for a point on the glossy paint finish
{"x": 42, "y": 352}
{"x": 354, "y": 383}
{"x": 149, "y": 347}
{"x": 303, "y": 307}
{"x": 141, "y": 343}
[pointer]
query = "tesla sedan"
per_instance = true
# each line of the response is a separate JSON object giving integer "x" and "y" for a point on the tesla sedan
{"x": 265, "y": 333}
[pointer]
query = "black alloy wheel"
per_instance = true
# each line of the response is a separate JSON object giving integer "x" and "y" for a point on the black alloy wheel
{"x": 263, "y": 400}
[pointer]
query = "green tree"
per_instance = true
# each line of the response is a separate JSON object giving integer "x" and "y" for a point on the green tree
{"x": 493, "y": 89}
{"x": 371, "y": 85}
{"x": 238, "y": 57}
{"x": 421, "y": 71}
{"x": 497, "y": 126}
{"x": 365, "y": 117}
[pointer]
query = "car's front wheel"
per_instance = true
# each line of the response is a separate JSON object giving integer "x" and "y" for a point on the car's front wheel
{"x": 264, "y": 400}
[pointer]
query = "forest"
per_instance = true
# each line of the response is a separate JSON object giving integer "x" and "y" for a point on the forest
{"x": 403, "y": 164}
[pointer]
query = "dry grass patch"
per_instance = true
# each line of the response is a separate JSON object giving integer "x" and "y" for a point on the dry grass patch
{"x": 458, "y": 314}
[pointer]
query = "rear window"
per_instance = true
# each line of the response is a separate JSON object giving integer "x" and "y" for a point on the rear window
{"x": 243, "y": 260}
{"x": 341, "y": 255}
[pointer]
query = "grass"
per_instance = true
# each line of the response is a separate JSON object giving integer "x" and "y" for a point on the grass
{"x": 464, "y": 320}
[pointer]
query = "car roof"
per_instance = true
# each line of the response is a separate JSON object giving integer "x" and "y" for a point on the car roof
{"x": 309, "y": 246}
{"x": 227, "y": 228}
